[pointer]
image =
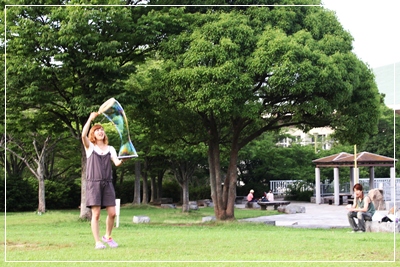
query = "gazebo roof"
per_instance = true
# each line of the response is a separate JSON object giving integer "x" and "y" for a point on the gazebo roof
{"x": 364, "y": 159}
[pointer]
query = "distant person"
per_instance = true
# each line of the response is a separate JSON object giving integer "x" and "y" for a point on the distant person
{"x": 264, "y": 197}
{"x": 270, "y": 196}
{"x": 250, "y": 196}
{"x": 363, "y": 209}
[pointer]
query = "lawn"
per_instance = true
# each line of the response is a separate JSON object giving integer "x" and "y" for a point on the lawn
{"x": 59, "y": 238}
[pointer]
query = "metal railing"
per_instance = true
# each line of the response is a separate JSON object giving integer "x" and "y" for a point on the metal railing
{"x": 280, "y": 187}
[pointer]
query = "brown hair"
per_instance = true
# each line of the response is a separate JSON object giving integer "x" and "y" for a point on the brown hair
{"x": 359, "y": 187}
{"x": 92, "y": 138}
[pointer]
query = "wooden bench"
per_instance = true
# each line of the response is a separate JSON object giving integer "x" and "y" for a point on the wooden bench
{"x": 276, "y": 204}
{"x": 347, "y": 195}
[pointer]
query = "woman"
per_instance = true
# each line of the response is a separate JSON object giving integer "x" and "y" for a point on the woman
{"x": 250, "y": 196}
{"x": 100, "y": 191}
{"x": 363, "y": 209}
{"x": 270, "y": 196}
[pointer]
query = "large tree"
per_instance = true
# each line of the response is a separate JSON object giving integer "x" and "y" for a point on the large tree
{"x": 230, "y": 77}
{"x": 67, "y": 60}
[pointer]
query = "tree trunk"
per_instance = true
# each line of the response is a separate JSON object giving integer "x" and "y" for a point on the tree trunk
{"x": 41, "y": 176}
{"x": 159, "y": 184}
{"x": 42, "y": 198}
{"x": 185, "y": 195}
{"x": 223, "y": 193}
{"x": 85, "y": 212}
{"x": 145, "y": 186}
{"x": 136, "y": 193}
{"x": 153, "y": 186}
{"x": 229, "y": 191}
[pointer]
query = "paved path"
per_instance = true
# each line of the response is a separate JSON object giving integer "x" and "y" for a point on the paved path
{"x": 316, "y": 216}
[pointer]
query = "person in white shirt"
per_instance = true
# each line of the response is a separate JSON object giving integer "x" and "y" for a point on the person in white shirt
{"x": 270, "y": 196}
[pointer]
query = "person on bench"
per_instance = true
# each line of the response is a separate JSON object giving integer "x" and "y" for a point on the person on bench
{"x": 363, "y": 209}
{"x": 250, "y": 196}
{"x": 264, "y": 198}
{"x": 270, "y": 196}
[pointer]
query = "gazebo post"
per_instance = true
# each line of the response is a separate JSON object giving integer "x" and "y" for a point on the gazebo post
{"x": 393, "y": 185}
{"x": 356, "y": 175}
{"x": 317, "y": 186}
{"x": 371, "y": 177}
{"x": 351, "y": 179}
{"x": 336, "y": 185}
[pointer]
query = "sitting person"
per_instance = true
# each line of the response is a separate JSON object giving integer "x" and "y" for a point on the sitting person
{"x": 270, "y": 196}
{"x": 363, "y": 209}
{"x": 250, "y": 196}
{"x": 264, "y": 198}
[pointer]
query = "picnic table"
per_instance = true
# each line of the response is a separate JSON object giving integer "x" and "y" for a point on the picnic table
{"x": 276, "y": 204}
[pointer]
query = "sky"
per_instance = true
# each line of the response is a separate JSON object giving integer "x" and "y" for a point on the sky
{"x": 374, "y": 26}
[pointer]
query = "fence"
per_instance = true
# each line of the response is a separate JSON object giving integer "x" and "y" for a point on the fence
{"x": 280, "y": 187}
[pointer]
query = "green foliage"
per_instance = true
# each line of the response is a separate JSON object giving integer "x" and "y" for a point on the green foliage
{"x": 124, "y": 191}
{"x": 20, "y": 195}
{"x": 384, "y": 141}
{"x": 262, "y": 161}
{"x": 300, "y": 191}
{"x": 199, "y": 192}
{"x": 171, "y": 189}
{"x": 61, "y": 194}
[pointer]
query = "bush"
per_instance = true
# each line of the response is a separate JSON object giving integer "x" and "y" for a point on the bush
{"x": 199, "y": 192}
{"x": 172, "y": 189}
{"x": 62, "y": 194}
{"x": 300, "y": 191}
{"x": 21, "y": 195}
{"x": 124, "y": 191}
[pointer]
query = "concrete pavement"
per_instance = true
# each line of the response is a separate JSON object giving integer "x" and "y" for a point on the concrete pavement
{"x": 316, "y": 216}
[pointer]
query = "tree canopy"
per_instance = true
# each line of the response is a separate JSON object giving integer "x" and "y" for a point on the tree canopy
{"x": 239, "y": 74}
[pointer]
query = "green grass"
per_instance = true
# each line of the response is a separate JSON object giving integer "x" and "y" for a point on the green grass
{"x": 59, "y": 238}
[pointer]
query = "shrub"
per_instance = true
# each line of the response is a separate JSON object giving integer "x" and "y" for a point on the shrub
{"x": 21, "y": 195}
{"x": 300, "y": 191}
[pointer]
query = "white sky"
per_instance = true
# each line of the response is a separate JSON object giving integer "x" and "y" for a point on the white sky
{"x": 375, "y": 27}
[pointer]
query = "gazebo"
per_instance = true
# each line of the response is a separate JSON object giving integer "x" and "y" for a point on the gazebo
{"x": 343, "y": 159}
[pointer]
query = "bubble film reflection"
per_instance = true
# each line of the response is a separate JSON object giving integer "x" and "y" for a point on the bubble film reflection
{"x": 115, "y": 114}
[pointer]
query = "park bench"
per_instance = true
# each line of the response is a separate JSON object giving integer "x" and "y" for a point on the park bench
{"x": 276, "y": 204}
{"x": 342, "y": 197}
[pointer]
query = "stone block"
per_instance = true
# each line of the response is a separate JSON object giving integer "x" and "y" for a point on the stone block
{"x": 204, "y": 202}
{"x": 382, "y": 227}
{"x": 292, "y": 209}
{"x": 208, "y": 219}
{"x": 281, "y": 209}
{"x": 193, "y": 205}
{"x": 141, "y": 219}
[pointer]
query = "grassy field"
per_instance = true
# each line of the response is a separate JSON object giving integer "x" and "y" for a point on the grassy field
{"x": 59, "y": 238}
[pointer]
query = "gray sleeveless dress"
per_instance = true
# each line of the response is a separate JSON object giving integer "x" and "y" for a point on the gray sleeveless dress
{"x": 99, "y": 187}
